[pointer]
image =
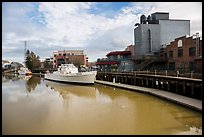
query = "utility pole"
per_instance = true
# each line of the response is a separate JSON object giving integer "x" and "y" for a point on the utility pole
{"x": 25, "y": 54}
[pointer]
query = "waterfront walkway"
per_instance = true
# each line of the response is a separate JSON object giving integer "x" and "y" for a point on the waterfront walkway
{"x": 189, "y": 102}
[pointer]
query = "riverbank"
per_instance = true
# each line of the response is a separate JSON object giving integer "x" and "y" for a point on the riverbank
{"x": 186, "y": 101}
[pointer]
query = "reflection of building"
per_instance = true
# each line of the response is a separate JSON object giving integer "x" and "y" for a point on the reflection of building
{"x": 160, "y": 30}
{"x": 76, "y": 57}
{"x": 117, "y": 61}
{"x": 185, "y": 54}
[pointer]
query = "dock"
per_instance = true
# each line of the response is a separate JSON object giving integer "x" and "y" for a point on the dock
{"x": 183, "y": 100}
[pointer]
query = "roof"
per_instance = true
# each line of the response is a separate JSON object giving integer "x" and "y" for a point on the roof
{"x": 119, "y": 53}
{"x": 5, "y": 61}
{"x": 107, "y": 62}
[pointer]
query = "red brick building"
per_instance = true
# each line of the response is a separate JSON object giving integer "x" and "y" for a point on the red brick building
{"x": 76, "y": 57}
{"x": 131, "y": 48}
{"x": 185, "y": 54}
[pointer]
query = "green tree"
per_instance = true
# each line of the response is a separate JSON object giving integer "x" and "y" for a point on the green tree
{"x": 47, "y": 65}
{"x": 28, "y": 61}
{"x": 32, "y": 60}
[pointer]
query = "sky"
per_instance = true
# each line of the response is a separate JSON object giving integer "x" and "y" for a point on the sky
{"x": 95, "y": 27}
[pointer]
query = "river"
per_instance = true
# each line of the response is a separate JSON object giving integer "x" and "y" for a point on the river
{"x": 32, "y": 105}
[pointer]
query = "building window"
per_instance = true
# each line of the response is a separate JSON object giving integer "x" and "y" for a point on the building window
{"x": 165, "y": 55}
{"x": 64, "y": 54}
{"x": 180, "y": 52}
{"x": 170, "y": 54}
{"x": 55, "y": 55}
{"x": 60, "y": 54}
{"x": 192, "y": 51}
{"x": 60, "y": 61}
{"x": 171, "y": 65}
{"x": 118, "y": 56}
{"x": 191, "y": 66}
{"x": 179, "y": 43}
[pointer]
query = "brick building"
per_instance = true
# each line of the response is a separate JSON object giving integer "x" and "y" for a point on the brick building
{"x": 131, "y": 48}
{"x": 76, "y": 57}
{"x": 185, "y": 54}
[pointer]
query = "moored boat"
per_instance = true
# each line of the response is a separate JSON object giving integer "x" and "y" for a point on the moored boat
{"x": 24, "y": 71}
{"x": 68, "y": 73}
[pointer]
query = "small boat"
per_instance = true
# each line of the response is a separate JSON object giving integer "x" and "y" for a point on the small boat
{"x": 24, "y": 71}
{"x": 68, "y": 73}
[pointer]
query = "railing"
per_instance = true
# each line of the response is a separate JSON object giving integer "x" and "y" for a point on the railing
{"x": 167, "y": 81}
{"x": 144, "y": 64}
{"x": 163, "y": 73}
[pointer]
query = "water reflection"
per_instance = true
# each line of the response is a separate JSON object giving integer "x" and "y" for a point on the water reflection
{"x": 67, "y": 90}
{"x": 8, "y": 77}
{"x": 55, "y": 108}
{"x": 14, "y": 77}
{"x": 32, "y": 83}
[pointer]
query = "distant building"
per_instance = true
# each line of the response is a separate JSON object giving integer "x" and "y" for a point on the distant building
{"x": 131, "y": 48}
{"x": 76, "y": 57}
{"x": 90, "y": 64}
{"x": 5, "y": 64}
{"x": 117, "y": 61}
{"x": 16, "y": 65}
{"x": 47, "y": 63}
{"x": 5, "y": 61}
{"x": 185, "y": 54}
{"x": 157, "y": 30}
{"x": 11, "y": 65}
{"x": 49, "y": 59}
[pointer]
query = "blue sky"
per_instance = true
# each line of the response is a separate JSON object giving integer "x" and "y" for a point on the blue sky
{"x": 95, "y": 27}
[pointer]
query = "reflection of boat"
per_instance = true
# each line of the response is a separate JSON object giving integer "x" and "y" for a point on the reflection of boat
{"x": 85, "y": 91}
{"x": 69, "y": 73}
{"x": 25, "y": 77}
{"x": 24, "y": 71}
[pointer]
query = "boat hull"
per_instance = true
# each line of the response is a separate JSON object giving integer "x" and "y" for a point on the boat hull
{"x": 77, "y": 78}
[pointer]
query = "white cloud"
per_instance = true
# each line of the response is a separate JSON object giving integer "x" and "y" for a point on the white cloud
{"x": 185, "y": 10}
{"x": 52, "y": 26}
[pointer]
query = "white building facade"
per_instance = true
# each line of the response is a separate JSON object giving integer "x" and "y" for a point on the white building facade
{"x": 157, "y": 30}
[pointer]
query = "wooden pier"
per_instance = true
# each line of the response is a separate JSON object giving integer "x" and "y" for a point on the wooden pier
{"x": 188, "y": 87}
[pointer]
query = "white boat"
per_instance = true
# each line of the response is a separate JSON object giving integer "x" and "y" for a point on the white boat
{"x": 24, "y": 71}
{"x": 69, "y": 73}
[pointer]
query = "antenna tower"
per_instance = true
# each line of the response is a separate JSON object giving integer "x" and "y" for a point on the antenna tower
{"x": 25, "y": 53}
